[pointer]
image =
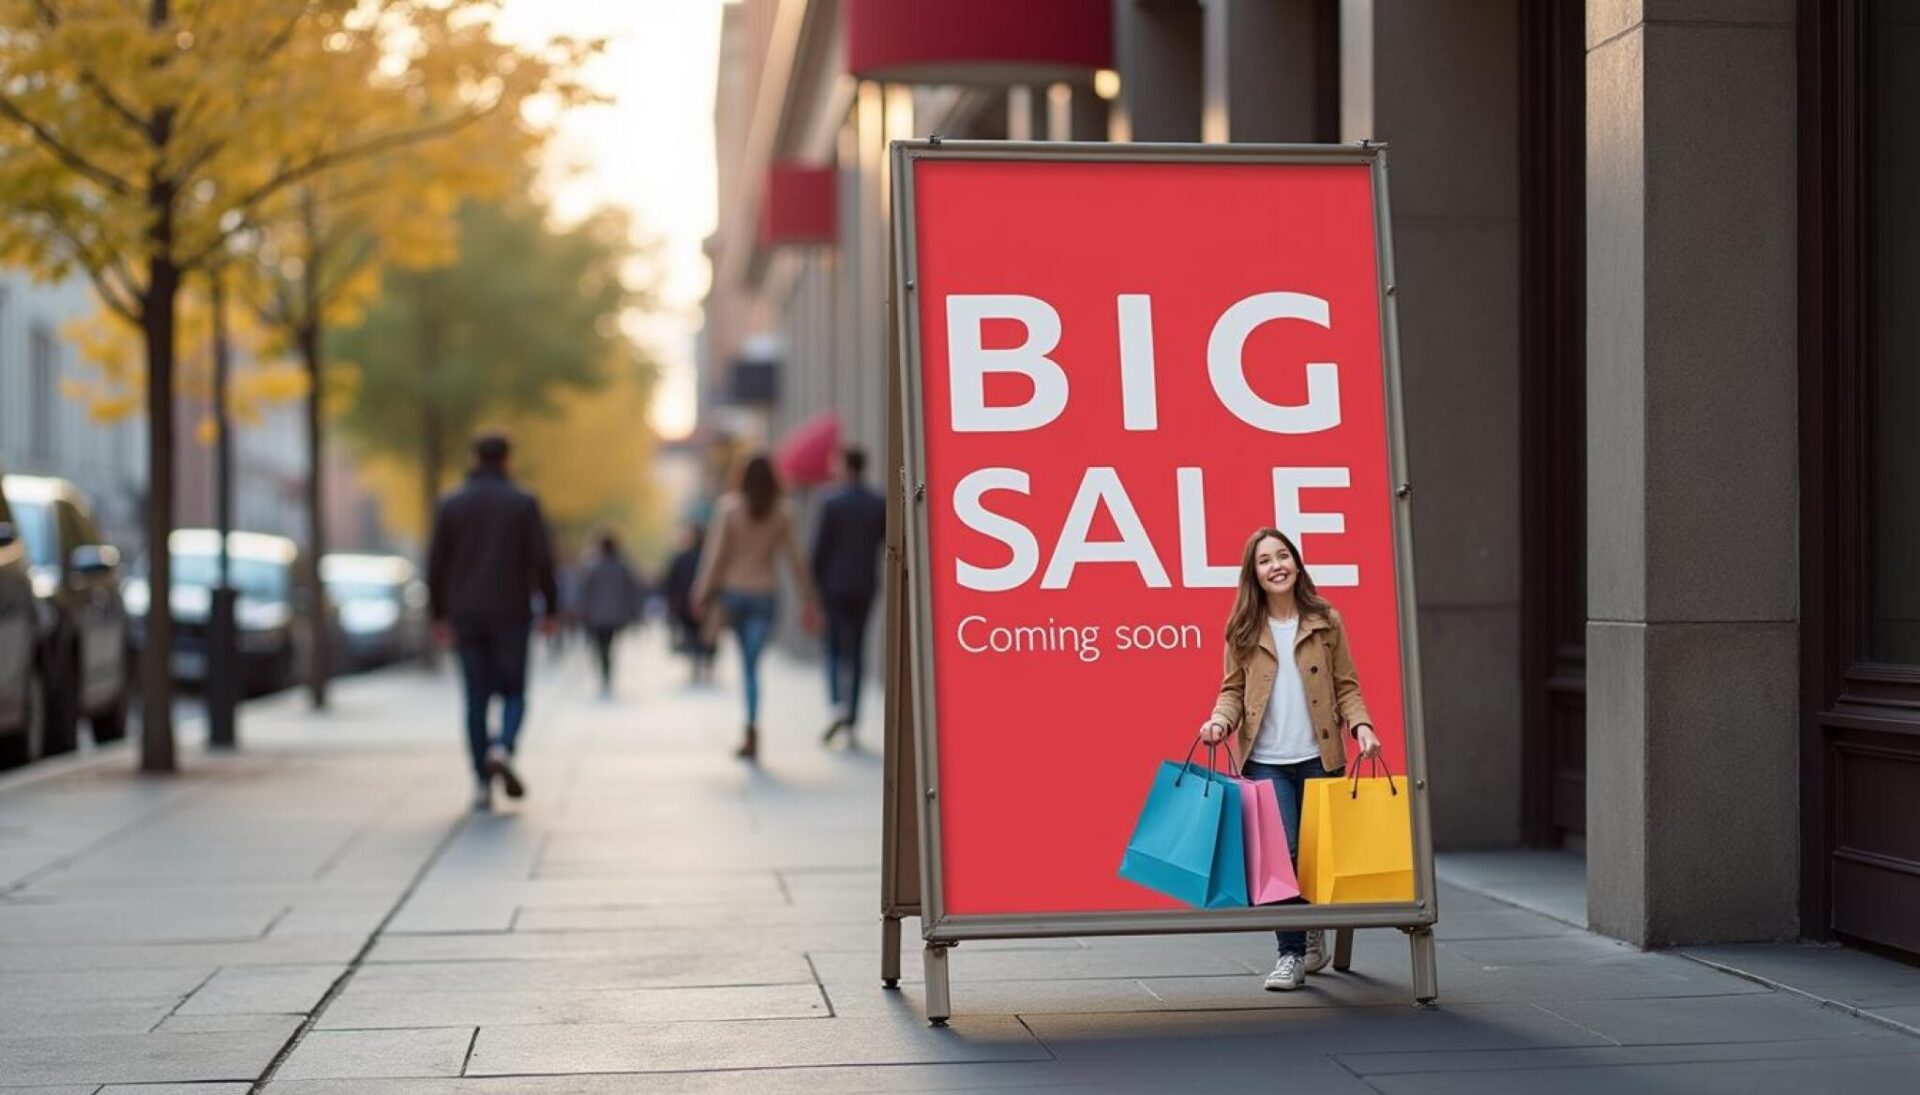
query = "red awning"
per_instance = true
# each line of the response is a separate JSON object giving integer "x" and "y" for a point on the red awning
{"x": 798, "y": 206}
{"x": 805, "y": 457}
{"x": 978, "y": 41}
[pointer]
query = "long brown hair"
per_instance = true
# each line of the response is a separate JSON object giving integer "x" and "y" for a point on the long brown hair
{"x": 760, "y": 486}
{"x": 1249, "y": 617}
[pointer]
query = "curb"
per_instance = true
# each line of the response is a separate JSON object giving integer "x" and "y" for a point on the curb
{"x": 1826, "y": 1002}
{"x": 67, "y": 765}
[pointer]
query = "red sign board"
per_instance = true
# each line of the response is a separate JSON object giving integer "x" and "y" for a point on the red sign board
{"x": 1122, "y": 369}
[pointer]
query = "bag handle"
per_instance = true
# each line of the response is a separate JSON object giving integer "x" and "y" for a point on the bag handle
{"x": 1213, "y": 749}
{"x": 1379, "y": 768}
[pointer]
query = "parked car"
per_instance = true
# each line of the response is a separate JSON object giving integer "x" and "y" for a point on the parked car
{"x": 76, "y": 576}
{"x": 380, "y": 605}
{"x": 23, "y": 704}
{"x": 273, "y": 627}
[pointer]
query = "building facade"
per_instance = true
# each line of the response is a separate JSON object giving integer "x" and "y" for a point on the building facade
{"x": 42, "y": 431}
{"x": 46, "y": 430}
{"x": 1651, "y": 261}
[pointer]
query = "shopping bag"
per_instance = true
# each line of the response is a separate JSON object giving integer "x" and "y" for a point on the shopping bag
{"x": 1356, "y": 840}
{"x": 1270, "y": 876}
{"x": 1189, "y": 842}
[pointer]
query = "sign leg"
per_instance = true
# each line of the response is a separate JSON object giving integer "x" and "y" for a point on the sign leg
{"x": 1343, "y": 949}
{"x": 939, "y": 1000}
{"x": 1426, "y": 977}
{"x": 890, "y": 952}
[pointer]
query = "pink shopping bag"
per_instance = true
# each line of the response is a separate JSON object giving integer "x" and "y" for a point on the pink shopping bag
{"x": 1270, "y": 876}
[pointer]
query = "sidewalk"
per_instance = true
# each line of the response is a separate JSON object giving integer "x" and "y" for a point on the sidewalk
{"x": 319, "y": 914}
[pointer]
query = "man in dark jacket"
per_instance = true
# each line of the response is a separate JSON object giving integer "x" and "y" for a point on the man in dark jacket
{"x": 489, "y": 558}
{"x": 846, "y": 570}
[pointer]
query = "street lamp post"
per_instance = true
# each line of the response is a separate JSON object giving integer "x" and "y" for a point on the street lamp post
{"x": 223, "y": 646}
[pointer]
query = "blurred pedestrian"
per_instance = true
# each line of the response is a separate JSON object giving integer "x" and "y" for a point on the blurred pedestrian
{"x": 689, "y": 637}
{"x": 751, "y": 530}
{"x": 608, "y": 600}
{"x": 490, "y": 557}
{"x": 846, "y": 570}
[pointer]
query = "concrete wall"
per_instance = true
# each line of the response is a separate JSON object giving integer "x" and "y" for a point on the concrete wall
{"x": 1441, "y": 89}
{"x": 1693, "y": 664}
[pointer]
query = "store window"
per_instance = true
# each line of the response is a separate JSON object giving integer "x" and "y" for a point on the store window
{"x": 1892, "y": 329}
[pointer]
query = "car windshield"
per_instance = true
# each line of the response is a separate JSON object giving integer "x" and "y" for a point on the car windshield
{"x": 256, "y": 579}
{"x": 35, "y": 522}
{"x": 361, "y": 591}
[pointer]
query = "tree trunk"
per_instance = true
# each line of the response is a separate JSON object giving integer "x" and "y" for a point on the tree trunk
{"x": 320, "y": 651}
{"x": 432, "y": 467}
{"x": 157, "y": 752}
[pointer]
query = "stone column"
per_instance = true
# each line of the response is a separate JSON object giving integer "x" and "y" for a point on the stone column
{"x": 1157, "y": 45}
{"x": 1261, "y": 71}
{"x": 1692, "y": 654}
{"x": 1438, "y": 80}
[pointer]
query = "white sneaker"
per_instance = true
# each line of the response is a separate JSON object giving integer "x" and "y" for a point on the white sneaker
{"x": 1288, "y": 974}
{"x": 483, "y": 797}
{"x": 1316, "y": 951}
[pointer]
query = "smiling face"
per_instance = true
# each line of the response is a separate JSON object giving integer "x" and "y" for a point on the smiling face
{"x": 1274, "y": 564}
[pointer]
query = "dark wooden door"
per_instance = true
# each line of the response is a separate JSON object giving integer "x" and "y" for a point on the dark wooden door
{"x": 1553, "y": 423}
{"x": 1860, "y": 471}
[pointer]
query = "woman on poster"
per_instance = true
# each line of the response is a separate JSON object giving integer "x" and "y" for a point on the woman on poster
{"x": 1288, "y": 721}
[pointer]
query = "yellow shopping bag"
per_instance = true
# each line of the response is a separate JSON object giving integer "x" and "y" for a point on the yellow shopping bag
{"x": 1356, "y": 841}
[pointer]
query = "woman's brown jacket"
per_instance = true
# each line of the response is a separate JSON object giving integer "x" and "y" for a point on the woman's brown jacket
{"x": 1326, "y": 673}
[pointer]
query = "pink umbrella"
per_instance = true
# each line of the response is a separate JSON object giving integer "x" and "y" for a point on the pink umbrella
{"x": 805, "y": 455}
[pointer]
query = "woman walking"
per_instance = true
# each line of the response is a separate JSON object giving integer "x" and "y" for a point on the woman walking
{"x": 1289, "y": 697}
{"x": 752, "y": 529}
{"x": 609, "y": 599}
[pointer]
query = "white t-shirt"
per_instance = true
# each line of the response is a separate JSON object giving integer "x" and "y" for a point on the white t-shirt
{"x": 1286, "y": 728}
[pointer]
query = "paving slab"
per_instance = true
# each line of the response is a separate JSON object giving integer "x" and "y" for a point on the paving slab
{"x": 1746, "y": 1018}
{"x": 1005, "y": 1078}
{"x": 717, "y": 938}
{"x": 1277, "y": 1036}
{"x": 1773, "y": 1077}
{"x": 284, "y": 1023}
{"x": 363, "y": 1006}
{"x": 262, "y": 989}
{"x": 1834, "y": 973}
{"x": 21, "y": 1017}
{"x": 136, "y": 1058}
{"x": 371, "y": 1054}
{"x": 175, "y": 1089}
{"x": 778, "y": 1043}
{"x": 655, "y": 971}
{"x": 1867, "y": 1042}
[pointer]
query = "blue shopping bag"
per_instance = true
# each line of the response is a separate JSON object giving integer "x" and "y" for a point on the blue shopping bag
{"x": 1188, "y": 843}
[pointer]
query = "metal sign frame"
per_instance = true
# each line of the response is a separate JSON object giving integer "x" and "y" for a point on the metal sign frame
{"x": 941, "y": 929}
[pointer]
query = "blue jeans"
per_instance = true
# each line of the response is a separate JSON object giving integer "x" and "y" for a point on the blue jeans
{"x": 1290, "y": 788}
{"x": 751, "y": 616}
{"x": 493, "y": 662}
{"x": 846, "y": 651}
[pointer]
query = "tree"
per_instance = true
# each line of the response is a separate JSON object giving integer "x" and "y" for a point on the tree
{"x": 526, "y": 313}
{"x": 323, "y": 251}
{"x": 138, "y": 137}
{"x": 592, "y": 460}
